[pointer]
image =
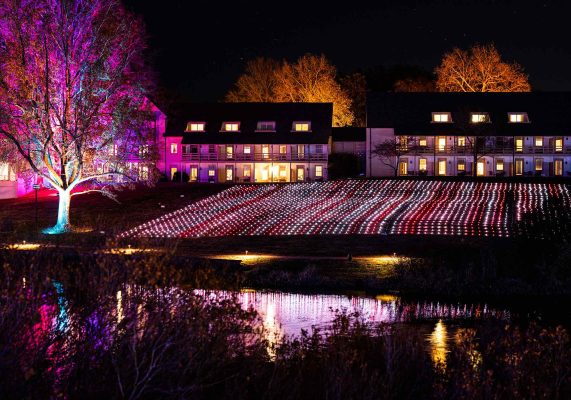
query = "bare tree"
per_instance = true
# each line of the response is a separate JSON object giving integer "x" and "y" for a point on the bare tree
{"x": 391, "y": 150}
{"x": 481, "y": 69}
{"x": 257, "y": 83}
{"x": 72, "y": 102}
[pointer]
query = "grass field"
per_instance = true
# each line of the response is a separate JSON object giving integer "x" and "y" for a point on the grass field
{"x": 369, "y": 207}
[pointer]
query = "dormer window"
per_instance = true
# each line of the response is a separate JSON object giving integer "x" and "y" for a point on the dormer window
{"x": 478, "y": 117}
{"x": 195, "y": 127}
{"x": 231, "y": 127}
{"x": 518, "y": 117}
{"x": 266, "y": 126}
{"x": 301, "y": 126}
{"x": 441, "y": 117}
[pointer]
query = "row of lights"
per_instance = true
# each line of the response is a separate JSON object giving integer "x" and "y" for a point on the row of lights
{"x": 358, "y": 207}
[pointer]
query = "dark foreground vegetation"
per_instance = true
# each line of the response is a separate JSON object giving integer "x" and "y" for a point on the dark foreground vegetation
{"x": 442, "y": 266}
{"x": 109, "y": 326}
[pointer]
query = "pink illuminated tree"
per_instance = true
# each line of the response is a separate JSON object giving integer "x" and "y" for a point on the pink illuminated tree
{"x": 72, "y": 95}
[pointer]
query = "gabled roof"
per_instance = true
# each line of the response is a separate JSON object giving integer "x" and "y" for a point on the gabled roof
{"x": 249, "y": 114}
{"x": 349, "y": 134}
{"x": 411, "y": 113}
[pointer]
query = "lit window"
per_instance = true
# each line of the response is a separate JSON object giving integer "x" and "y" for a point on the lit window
{"x": 266, "y": 126}
{"x": 195, "y": 127}
{"x": 143, "y": 150}
{"x": 229, "y": 152}
{"x": 283, "y": 149}
{"x": 461, "y": 141}
{"x": 422, "y": 142}
{"x": 231, "y": 126}
{"x": 247, "y": 171}
{"x": 558, "y": 144}
{"x": 318, "y": 171}
{"x": 479, "y": 117}
{"x": 302, "y": 126}
{"x": 211, "y": 172}
{"x": 247, "y": 150}
{"x": 4, "y": 172}
{"x": 539, "y": 164}
{"x": 517, "y": 117}
{"x": 499, "y": 165}
{"x": 441, "y": 117}
{"x": 461, "y": 165}
{"x": 144, "y": 173}
{"x": 422, "y": 164}
{"x": 519, "y": 144}
{"x": 403, "y": 143}
{"x": 441, "y": 143}
{"x": 558, "y": 167}
{"x": 174, "y": 148}
{"x": 519, "y": 166}
{"x": 282, "y": 172}
{"x": 539, "y": 141}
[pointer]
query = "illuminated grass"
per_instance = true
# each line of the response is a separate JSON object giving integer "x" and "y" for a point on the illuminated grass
{"x": 361, "y": 207}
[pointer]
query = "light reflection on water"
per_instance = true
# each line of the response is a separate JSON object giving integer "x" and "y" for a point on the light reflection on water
{"x": 288, "y": 313}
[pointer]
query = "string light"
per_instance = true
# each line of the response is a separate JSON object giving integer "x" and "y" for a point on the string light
{"x": 366, "y": 207}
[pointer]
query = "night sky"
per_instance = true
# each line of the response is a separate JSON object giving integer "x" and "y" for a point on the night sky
{"x": 200, "y": 47}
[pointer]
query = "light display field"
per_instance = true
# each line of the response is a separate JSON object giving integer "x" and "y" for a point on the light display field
{"x": 360, "y": 207}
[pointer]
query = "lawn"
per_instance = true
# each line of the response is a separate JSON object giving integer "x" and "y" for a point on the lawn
{"x": 98, "y": 213}
{"x": 369, "y": 207}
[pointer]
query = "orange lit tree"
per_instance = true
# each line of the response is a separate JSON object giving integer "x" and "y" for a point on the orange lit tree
{"x": 257, "y": 83}
{"x": 481, "y": 69}
{"x": 310, "y": 79}
{"x": 72, "y": 105}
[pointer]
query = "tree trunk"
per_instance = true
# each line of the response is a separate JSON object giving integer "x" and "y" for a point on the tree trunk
{"x": 62, "y": 224}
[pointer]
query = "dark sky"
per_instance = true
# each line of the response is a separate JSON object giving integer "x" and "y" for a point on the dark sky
{"x": 200, "y": 47}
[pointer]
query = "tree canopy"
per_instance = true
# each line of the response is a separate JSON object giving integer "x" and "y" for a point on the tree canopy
{"x": 480, "y": 69}
{"x": 310, "y": 79}
{"x": 72, "y": 102}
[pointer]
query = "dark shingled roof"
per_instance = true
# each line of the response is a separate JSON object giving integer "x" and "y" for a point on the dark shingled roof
{"x": 248, "y": 114}
{"x": 411, "y": 113}
{"x": 351, "y": 134}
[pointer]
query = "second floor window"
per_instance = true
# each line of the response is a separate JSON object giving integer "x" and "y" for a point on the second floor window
{"x": 422, "y": 141}
{"x": 247, "y": 150}
{"x": 539, "y": 141}
{"x": 519, "y": 144}
{"x": 517, "y": 117}
{"x": 174, "y": 148}
{"x": 461, "y": 141}
{"x": 143, "y": 150}
{"x": 479, "y": 117}
{"x": 266, "y": 126}
{"x": 231, "y": 126}
{"x": 441, "y": 117}
{"x": 195, "y": 127}
{"x": 558, "y": 144}
{"x": 229, "y": 152}
{"x": 302, "y": 126}
{"x": 319, "y": 149}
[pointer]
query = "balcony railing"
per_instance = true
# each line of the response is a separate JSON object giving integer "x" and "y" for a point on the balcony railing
{"x": 506, "y": 149}
{"x": 261, "y": 157}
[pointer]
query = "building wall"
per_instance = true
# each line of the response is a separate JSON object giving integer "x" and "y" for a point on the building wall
{"x": 447, "y": 158}
{"x": 374, "y": 166}
{"x": 245, "y": 162}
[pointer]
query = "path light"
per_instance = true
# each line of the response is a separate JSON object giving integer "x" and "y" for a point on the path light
{"x": 358, "y": 207}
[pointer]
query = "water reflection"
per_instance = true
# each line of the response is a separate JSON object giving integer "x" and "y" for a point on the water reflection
{"x": 293, "y": 312}
{"x": 439, "y": 345}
